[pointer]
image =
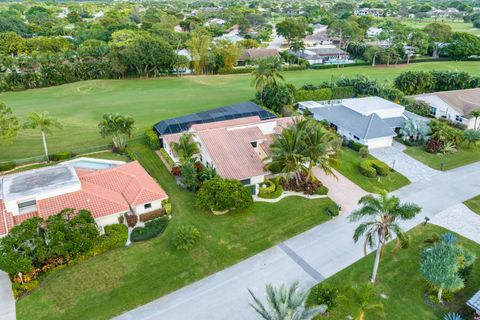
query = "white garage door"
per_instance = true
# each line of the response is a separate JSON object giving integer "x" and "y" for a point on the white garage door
{"x": 380, "y": 143}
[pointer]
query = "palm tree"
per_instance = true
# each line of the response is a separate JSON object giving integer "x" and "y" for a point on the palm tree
{"x": 320, "y": 147}
{"x": 44, "y": 122}
{"x": 297, "y": 46}
{"x": 267, "y": 73}
{"x": 382, "y": 213}
{"x": 287, "y": 151}
{"x": 476, "y": 115}
{"x": 185, "y": 148}
{"x": 472, "y": 136}
{"x": 208, "y": 173}
{"x": 361, "y": 296}
{"x": 285, "y": 304}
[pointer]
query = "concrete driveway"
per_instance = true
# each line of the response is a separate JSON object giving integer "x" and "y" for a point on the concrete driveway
{"x": 341, "y": 190}
{"x": 460, "y": 219}
{"x": 411, "y": 168}
{"x": 7, "y": 302}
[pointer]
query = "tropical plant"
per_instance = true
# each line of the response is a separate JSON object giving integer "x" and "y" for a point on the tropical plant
{"x": 267, "y": 73}
{"x": 444, "y": 133}
{"x": 120, "y": 127}
{"x": 381, "y": 214}
{"x": 452, "y": 316}
{"x": 414, "y": 130}
{"x": 441, "y": 263}
{"x": 285, "y": 303}
{"x": 185, "y": 237}
{"x": 220, "y": 194}
{"x": 297, "y": 46}
{"x": 208, "y": 173}
{"x": 362, "y": 299}
{"x": 45, "y": 123}
{"x": 185, "y": 148}
{"x": 8, "y": 124}
{"x": 188, "y": 174}
{"x": 471, "y": 136}
{"x": 476, "y": 115}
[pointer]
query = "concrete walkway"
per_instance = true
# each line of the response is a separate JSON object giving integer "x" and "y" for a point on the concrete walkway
{"x": 308, "y": 257}
{"x": 411, "y": 168}
{"x": 7, "y": 302}
{"x": 461, "y": 220}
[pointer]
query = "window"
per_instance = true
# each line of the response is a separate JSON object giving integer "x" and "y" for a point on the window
{"x": 356, "y": 138}
{"x": 245, "y": 182}
{"x": 254, "y": 144}
{"x": 147, "y": 206}
{"x": 433, "y": 111}
{"x": 458, "y": 118}
{"x": 27, "y": 206}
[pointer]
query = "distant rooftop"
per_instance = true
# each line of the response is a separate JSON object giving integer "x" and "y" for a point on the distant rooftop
{"x": 234, "y": 111}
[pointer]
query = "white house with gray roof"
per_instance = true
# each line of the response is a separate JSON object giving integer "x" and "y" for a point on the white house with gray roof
{"x": 371, "y": 121}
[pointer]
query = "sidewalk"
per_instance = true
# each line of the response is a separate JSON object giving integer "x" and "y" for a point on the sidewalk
{"x": 7, "y": 302}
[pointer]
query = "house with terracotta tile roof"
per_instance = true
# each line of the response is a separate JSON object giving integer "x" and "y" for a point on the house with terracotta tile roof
{"x": 108, "y": 189}
{"x": 237, "y": 149}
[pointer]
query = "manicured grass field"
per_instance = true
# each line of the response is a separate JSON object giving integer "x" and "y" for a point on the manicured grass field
{"x": 400, "y": 280}
{"x": 474, "y": 204}
{"x": 79, "y": 106}
{"x": 348, "y": 163}
{"x": 457, "y": 26}
{"x": 453, "y": 160}
{"x": 122, "y": 279}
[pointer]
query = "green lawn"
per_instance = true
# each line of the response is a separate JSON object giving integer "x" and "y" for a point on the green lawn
{"x": 349, "y": 161}
{"x": 457, "y": 26}
{"x": 79, "y": 106}
{"x": 474, "y": 204}
{"x": 122, "y": 279}
{"x": 399, "y": 278}
{"x": 460, "y": 158}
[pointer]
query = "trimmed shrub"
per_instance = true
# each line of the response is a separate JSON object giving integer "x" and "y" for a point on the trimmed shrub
{"x": 60, "y": 156}
{"x": 367, "y": 169}
{"x": 167, "y": 206}
{"x": 322, "y": 190}
{"x": 7, "y": 166}
{"x": 115, "y": 236}
{"x": 152, "y": 229}
{"x": 343, "y": 92}
{"x": 382, "y": 168}
{"x": 152, "y": 215}
{"x": 315, "y": 95}
{"x": 224, "y": 194}
{"x": 372, "y": 168}
{"x": 130, "y": 154}
{"x": 323, "y": 294}
{"x": 275, "y": 194}
{"x": 236, "y": 70}
{"x": 433, "y": 146}
{"x": 364, "y": 152}
{"x": 332, "y": 210}
{"x": 267, "y": 187}
{"x": 185, "y": 237}
{"x": 152, "y": 139}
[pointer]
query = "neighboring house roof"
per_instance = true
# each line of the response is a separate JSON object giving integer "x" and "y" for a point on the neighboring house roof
{"x": 234, "y": 111}
{"x": 258, "y": 53}
{"x": 368, "y": 105}
{"x": 327, "y": 51}
{"x": 320, "y": 35}
{"x": 103, "y": 192}
{"x": 463, "y": 101}
{"x": 364, "y": 127}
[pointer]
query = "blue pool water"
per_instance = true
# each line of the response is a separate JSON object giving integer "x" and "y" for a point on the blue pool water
{"x": 92, "y": 164}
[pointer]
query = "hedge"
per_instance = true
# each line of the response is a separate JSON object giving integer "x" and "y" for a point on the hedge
{"x": 315, "y": 95}
{"x": 115, "y": 236}
{"x": 144, "y": 217}
{"x": 322, "y": 191}
{"x": 236, "y": 70}
{"x": 7, "y": 166}
{"x": 332, "y": 66}
{"x": 152, "y": 229}
{"x": 130, "y": 154}
{"x": 372, "y": 168}
{"x": 332, "y": 210}
{"x": 343, "y": 92}
{"x": 269, "y": 187}
{"x": 355, "y": 145}
{"x": 60, "y": 156}
{"x": 294, "y": 67}
{"x": 277, "y": 193}
{"x": 167, "y": 158}
{"x": 152, "y": 139}
{"x": 167, "y": 206}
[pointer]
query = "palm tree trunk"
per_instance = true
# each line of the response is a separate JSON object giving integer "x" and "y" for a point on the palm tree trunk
{"x": 377, "y": 262}
{"x": 439, "y": 295}
{"x": 44, "y": 138}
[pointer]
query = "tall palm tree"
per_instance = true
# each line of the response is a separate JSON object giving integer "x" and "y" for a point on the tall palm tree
{"x": 320, "y": 147}
{"x": 297, "y": 46}
{"x": 45, "y": 123}
{"x": 381, "y": 214}
{"x": 267, "y": 73}
{"x": 287, "y": 151}
{"x": 476, "y": 115}
{"x": 185, "y": 148}
{"x": 285, "y": 303}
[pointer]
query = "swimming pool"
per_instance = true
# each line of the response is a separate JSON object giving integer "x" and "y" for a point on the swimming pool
{"x": 92, "y": 164}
